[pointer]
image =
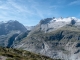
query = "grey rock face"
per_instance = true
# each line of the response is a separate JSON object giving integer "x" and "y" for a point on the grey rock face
{"x": 60, "y": 44}
{"x": 56, "y": 39}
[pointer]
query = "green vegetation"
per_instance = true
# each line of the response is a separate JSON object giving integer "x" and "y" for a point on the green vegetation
{"x": 14, "y": 54}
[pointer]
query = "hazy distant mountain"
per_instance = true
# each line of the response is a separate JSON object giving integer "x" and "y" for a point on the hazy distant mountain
{"x": 7, "y": 27}
{"x": 9, "y": 31}
{"x": 29, "y": 27}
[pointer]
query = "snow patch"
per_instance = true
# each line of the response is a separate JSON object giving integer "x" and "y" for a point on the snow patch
{"x": 65, "y": 19}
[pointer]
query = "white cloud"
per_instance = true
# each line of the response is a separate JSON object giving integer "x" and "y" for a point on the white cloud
{"x": 39, "y": 13}
{"x": 3, "y": 7}
{"x": 76, "y": 2}
{"x": 31, "y": 10}
{"x": 13, "y": 8}
{"x": 20, "y": 8}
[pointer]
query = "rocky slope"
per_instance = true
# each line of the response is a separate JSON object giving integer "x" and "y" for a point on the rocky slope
{"x": 54, "y": 38}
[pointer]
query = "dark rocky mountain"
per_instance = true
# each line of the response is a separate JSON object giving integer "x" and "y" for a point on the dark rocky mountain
{"x": 11, "y": 25}
{"x": 9, "y": 31}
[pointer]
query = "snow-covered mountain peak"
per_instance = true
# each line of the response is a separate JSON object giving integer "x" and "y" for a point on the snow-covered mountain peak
{"x": 51, "y": 24}
{"x": 1, "y": 22}
{"x": 61, "y": 19}
{"x": 68, "y": 19}
{"x": 9, "y": 21}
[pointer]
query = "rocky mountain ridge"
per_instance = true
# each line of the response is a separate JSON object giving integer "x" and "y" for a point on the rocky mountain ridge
{"x": 57, "y": 38}
{"x": 50, "y": 24}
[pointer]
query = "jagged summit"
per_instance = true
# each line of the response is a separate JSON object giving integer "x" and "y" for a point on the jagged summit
{"x": 9, "y": 21}
{"x": 45, "y": 21}
{"x": 51, "y": 24}
{"x": 61, "y": 19}
{"x": 68, "y": 19}
{"x": 11, "y": 25}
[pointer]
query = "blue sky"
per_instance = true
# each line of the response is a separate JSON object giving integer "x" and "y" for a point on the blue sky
{"x": 30, "y": 12}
